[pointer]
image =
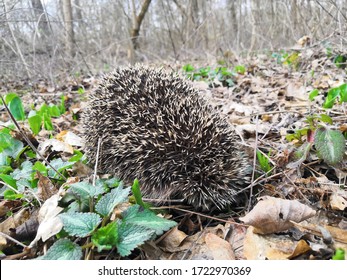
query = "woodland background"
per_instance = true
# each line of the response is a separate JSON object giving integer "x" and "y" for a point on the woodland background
{"x": 52, "y": 38}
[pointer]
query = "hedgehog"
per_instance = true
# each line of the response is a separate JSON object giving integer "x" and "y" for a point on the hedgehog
{"x": 153, "y": 125}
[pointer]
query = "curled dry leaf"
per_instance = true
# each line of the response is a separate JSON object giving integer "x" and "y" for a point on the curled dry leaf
{"x": 220, "y": 248}
{"x": 272, "y": 215}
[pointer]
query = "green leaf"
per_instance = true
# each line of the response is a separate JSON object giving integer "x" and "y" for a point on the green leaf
{"x": 39, "y": 166}
{"x": 263, "y": 162}
{"x": 47, "y": 122}
{"x": 25, "y": 172}
{"x": 35, "y": 123}
{"x": 339, "y": 254}
{"x": 331, "y": 98}
{"x": 78, "y": 155}
{"x": 107, "y": 203}
{"x": 135, "y": 188}
{"x": 9, "y": 180}
{"x": 330, "y": 145}
{"x": 313, "y": 94}
{"x": 12, "y": 195}
{"x": 10, "y": 146}
{"x": 106, "y": 237}
{"x": 60, "y": 165}
{"x": 325, "y": 118}
{"x": 16, "y": 108}
{"x": 147, "y": 219}
{"x": 54, "y": 111}
{"x": 86, "y": 190}
{"x": 131, "y": 236}
{"x": 343, "y": 93}
{"x": 80, "y": 224}
{"x": 240, "y": 69}
{"x": 188, "y": 68}
{"x": 63, "y": 249}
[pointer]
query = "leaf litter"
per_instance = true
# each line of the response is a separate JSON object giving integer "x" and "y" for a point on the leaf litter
{"x": 301, "y": 208}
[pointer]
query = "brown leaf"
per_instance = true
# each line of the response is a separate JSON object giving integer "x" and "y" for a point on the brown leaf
{"x": 271, "y": 247}
{"x": 274, "y": 214}
{"x": 220, "y": 249}
{"x": 8, "y": 205}
{"x": 45, "y": 188}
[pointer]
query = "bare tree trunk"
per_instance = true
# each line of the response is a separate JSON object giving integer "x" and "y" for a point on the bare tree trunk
{"x": 69, "y": 32}
{"x": 41, "y": 17}
{"x": 135, "y": 29}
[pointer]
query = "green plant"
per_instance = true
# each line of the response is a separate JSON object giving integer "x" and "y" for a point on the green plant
{"x": 222, "y": 74}
{"x": 37, "y": 119}
{"x": 329, "y": 143}
{"x": 339, "y": 254}
{"x": 264, "y": 161}
{"x": 93, "y": 228}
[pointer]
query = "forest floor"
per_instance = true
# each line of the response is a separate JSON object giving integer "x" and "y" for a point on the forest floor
{"x": 289, "y": 109}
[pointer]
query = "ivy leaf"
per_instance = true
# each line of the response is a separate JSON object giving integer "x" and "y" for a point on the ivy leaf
{"x": 131, "y": 236}
{"x": 80, "y": 224}
{"x": 147, "y": 219}
{"x": 63, "y": 249}
{"x": 106, "y": 237}
{"x": 111, "y": 199}
{"x": 330, "y": 145}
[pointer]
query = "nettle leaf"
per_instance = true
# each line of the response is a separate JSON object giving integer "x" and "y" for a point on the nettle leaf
{"x": 106, "y": 237}
{"x": 147, "y": 219}
{"x": 63, "y": 249}
{"x": 330, "y": 145}
{"x": 60, "y": 165}
{"x": 111, "y": 199}
{"x": 86, "y": 190}
{"x": 80, "y": 224}
{"x": 131, "y": 236}
{"x": 10, "y": 146}
{"x": 26, "y": 171}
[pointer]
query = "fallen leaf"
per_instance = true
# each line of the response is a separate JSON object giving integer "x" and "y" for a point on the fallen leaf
{"x": 271, "y": 247}
{"x": 275, "y": 214}
{"x": 220, "y": 249}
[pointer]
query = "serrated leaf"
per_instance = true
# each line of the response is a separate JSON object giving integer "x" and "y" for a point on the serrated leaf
{"x": 10, "y": 146}
{"x": 60, "y": 165}
{"x": 106, "y": 237}
{"x": 63, "y": 249}
{"x": 330, "y": 145}
{"x": 80, "y": 224}
{"x": 26, "y": 171}
{"x": 111, "y": 199}
{"x": 131, "y": 236}
{"x": 147, "y": 219}
{"x": 86, "y": 190}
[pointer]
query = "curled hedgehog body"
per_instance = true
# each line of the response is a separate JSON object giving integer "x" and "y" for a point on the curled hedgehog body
{"x": 154, "y": 126}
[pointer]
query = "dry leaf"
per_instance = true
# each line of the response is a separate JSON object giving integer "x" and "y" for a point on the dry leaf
{"x": 45, "y": 188}
{"x": 50, "y": 224}
{"x": 271, "y": 247}
{"x": 274, "y": 214}
{"x": 220, "y": 249}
